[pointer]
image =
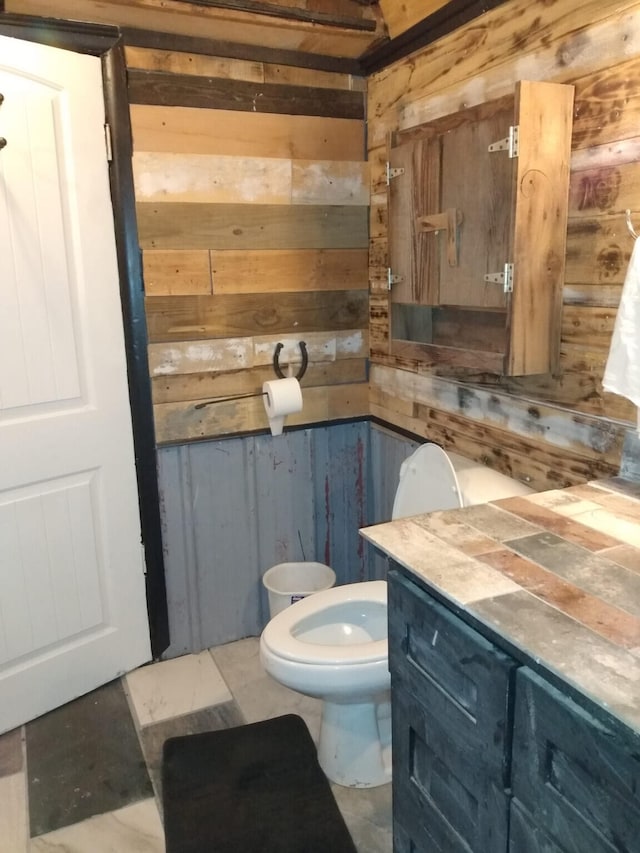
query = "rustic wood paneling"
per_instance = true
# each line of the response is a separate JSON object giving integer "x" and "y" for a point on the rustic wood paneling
{"x": 596, "y": 48}
{"x": 174, "y": 318}
{"x": 175, "y": 225}
{"x": 225, "y": 179}
{"x": 188, "y": 130}
{"x": 207, "y": 386}
{"x": 535, "y": 444}
{"x": 320, "y": 404}
{"x": 149, "y": 59}
{"x": 400, "y": 16}
{"x": 517, "y": 41}
{"x": 252, "y": 192}
{"x": 185, "y": 90}
{"x": 272, "y": 270}
{"x": 330, "y": 34}
{"x": 236, "y": 354}
{"x": 177, "y": 272}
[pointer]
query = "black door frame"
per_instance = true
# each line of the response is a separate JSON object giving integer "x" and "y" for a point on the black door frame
{"x": 106, "y": 43}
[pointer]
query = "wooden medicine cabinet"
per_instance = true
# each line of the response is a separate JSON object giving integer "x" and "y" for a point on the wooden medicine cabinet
{"x": 477, "y": 233}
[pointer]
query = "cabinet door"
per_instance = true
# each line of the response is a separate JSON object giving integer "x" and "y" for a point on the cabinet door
{"x": 445, "y": 800}
{"x": 525, "y": 836}
{"x": 477, "y": 233}
{"x": 462, "y": 681}
{"x": 576, "y": 774}
{"x": 451, "y": 701}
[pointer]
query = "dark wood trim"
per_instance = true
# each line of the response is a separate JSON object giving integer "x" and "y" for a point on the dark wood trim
{"x": 231, "y": 50}
{"x": 185, "y": 90}
{"x": 135, "y": 329}
{"x": 181, "y": 442}
{"x": 455, "y": 14}
{"x": 104, "y": 41}
{"x": 289, "y": 13}
{"x": 92, "y": 39}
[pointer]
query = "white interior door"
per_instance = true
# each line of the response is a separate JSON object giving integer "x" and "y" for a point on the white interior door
{"x": 72, "y": 593}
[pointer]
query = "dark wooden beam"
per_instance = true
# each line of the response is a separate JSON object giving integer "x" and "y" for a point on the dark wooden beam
{"x": 290, "y": 13}
{"x": 114, "y": 72}
{"x": 450, "y": 17}
{"x": 92, "y": 39}
{"x": 231, "y": 50}
{"x": 185, "y": 90}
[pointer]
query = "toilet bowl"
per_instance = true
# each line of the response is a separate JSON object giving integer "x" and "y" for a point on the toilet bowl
{"x": 333, "y": 644}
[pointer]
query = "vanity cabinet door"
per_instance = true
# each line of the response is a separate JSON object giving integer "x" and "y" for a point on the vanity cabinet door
{"x": 445, "y": 801}
{"x": 464, "y": 682}
{"x": 451, "y": 704}
{"x": 525, "y": 836}
{"x": 575, "y": 774}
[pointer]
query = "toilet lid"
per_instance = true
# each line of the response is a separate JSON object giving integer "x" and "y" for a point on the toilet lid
{"x": 428, "y": 482}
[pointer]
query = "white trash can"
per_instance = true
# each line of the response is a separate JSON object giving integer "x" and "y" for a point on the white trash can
{"x": 289, "y": 582}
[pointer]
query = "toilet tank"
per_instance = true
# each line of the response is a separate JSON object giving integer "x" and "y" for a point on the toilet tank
{"x": 431, "y": 479}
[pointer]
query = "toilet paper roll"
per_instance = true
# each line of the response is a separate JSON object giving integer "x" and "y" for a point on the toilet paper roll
{"x": 282, "y": 397}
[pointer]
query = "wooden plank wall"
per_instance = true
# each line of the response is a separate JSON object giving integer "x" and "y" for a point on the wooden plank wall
{"x": 252, "y": 197}
{"x": 342, "y": 28}
{"x": 548, "y": 430}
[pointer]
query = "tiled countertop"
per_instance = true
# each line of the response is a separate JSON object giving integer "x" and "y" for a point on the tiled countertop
{"x": 555, "y": 575}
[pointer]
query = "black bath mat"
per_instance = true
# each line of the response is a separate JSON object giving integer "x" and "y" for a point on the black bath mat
{"x": 251, "y": 789}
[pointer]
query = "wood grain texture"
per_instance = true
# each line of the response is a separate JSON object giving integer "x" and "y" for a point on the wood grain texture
{"x": 183, "y": 422}
{"x": 184, "y": 90}
{"x": 176, "y": 272}
{"x": 193, "y": 19}
{"x": 288, "y": 74}
{"x": 189, "y": 130}
{"x": 226, "y": 179}
{"x": 594, "y": 47}
{"x": 200, "y": 317}
{"x": 199, "y": 65}
{"x": 497, "y": 46}
{"x": 243, "y": 166}
{"x": 230, "y": 355}
{"x": 541, "y": 190}
{"x": 242, "y": 226}
{"x": 206, "y": 386}
{"x": 399, "y": 17}
{"x": 549, "y": 428}
{"x": 178, "y": 62}
{"x": 598, "y": 250}
{"x": 279, "y": 271}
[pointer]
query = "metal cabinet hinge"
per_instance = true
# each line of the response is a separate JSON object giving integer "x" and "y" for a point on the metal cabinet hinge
{"x": 392, "y": 279}
{"x": 504, "y": 278}
{"x": 509, "y": 143}
{"x": 393, "y": 172}
{"x": 107, "y": 141}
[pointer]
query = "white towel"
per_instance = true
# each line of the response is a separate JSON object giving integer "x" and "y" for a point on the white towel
{"x": 622, "y": 372}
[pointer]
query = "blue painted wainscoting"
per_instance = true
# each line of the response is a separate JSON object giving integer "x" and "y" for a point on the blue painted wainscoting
{"x": 232, "y": 508}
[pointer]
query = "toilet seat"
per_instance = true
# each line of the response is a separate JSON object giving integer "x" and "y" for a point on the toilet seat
{"x": 278, "y": 636}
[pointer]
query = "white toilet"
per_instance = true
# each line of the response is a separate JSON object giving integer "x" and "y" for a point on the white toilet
{"x": 333, "y": 645}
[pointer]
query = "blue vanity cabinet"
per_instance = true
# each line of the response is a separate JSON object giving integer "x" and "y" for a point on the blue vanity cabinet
{"x": 452, "y": 722}
{"x": 575, "y": 778}
{"x": 491, "y": 757}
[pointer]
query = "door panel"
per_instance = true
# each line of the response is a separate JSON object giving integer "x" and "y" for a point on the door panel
{"x": 72, "y": 600}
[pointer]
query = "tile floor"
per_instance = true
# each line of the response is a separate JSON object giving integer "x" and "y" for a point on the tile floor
{"x": 86, "y": 777}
